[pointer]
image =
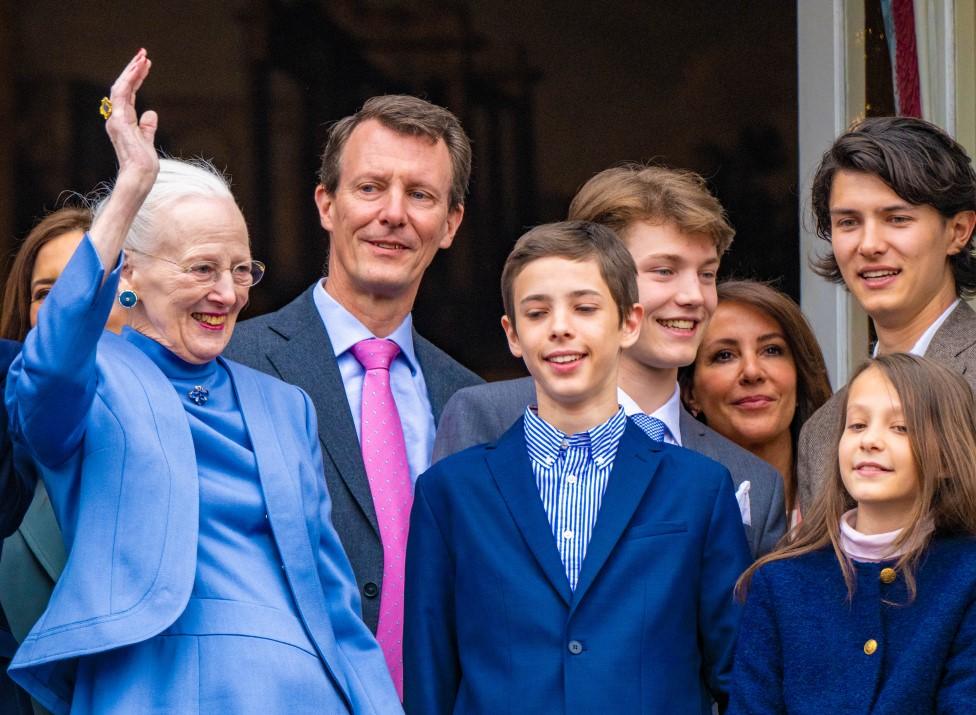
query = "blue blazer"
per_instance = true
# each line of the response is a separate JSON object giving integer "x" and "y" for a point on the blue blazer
{"x": 111, "y": 440}
{"x": 802, "y": 644}
{"x": 493, "y": 627}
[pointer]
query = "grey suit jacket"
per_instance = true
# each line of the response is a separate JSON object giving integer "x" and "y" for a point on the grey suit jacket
{"x": 293, "y": 345}
{"x": 482, "y": 414}
{"x": 954, "y": 345}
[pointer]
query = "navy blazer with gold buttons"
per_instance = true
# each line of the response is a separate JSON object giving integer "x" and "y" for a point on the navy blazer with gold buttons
{"x": 804, "y": 648}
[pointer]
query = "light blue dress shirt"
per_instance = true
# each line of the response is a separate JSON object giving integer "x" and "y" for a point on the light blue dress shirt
{"x": 406, "y": 377}
{"x": 571, "y": 472}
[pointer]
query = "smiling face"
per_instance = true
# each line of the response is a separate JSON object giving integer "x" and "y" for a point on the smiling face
{"x": 676, "y": 285}
{"x": 875, "y": 453}
{"x": 894, "y": 256}
{"x": 568, "y": 331}
{"x": 193, "y": 321}
{"x": 389, "y": 216}
{"x": 745, "y": 377}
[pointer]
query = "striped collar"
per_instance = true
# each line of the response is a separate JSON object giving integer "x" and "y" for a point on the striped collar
{"x": 545, "y": 442}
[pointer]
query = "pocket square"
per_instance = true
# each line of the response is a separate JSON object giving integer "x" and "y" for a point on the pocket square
{"x": 742, "y": 496}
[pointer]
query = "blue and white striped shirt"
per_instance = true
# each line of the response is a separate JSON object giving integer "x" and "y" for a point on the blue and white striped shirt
{"x": 571, "y": 472}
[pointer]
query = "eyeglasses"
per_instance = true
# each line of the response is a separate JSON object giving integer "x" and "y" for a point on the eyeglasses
{"x": 206, "y": 273}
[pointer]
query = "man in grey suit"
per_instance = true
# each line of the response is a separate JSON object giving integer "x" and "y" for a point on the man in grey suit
{"x": 391, "y": 194}
{"x": 896, "y": 199}
{"x": 676, "y": 231}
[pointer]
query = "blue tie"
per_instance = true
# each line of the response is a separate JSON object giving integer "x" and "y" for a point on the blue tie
{"x": 654, "y": 427}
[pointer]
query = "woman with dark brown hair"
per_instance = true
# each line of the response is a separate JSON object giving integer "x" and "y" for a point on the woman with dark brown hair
{"x": 759, "y": 374}
{"x": 871, "y": 607}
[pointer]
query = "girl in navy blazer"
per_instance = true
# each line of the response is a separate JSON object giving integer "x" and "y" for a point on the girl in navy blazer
{"x": 871, "y": 607}
{"x": 203, "y": 572}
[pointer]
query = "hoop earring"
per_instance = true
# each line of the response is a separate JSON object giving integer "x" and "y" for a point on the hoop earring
{"x": 128, "y": 299}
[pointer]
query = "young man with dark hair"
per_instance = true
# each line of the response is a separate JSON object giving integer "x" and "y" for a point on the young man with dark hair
{"x": 575, "y": 565}
{"x": 896, "y": 199}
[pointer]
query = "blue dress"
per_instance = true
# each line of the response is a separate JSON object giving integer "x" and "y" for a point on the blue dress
{"x": 203, "y": 572}
{"x": 239, "y": 643}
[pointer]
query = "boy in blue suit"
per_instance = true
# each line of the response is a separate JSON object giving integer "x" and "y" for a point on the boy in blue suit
{"x": 575, "y": 565}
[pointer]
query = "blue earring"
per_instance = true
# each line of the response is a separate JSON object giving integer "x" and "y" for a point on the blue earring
{"x": 128, "y": 299}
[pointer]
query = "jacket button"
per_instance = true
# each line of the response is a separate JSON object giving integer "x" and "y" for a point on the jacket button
{"x": 371, "y": 590}
{"x": 888, "y": 575}
{"x": 575, "y": 647}
{"x": 870, "y": 646}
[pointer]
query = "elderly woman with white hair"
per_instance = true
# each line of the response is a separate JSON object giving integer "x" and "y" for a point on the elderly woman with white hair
{"x": 203, "y": 573}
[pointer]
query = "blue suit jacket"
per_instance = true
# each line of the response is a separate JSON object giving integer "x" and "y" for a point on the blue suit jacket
{"x": 493, "y": 627}
{"x": 802, "y": 643}
{"x": 111, "y": 440}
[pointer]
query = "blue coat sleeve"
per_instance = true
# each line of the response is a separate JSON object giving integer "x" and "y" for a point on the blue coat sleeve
{"x": 757, "y": 680}
{"x": 432, "y": 670}
{"x": 957, "y": 691}
{"x": 374, "y": 691}
{"x": 16, "y": 489}
{"x": 51, "y": 385}
{"x": 726, "y": 555}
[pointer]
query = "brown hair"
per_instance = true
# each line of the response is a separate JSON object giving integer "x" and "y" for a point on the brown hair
{"x": 940, "y": 415}
{"x": 619, "y": 196}
{"x": 812, "y": 383}
{"x": 575, "y": 241}
{"x": 410, "y": 116}
{"x": 15, "y": 314}
{"x": 919, "y": 162}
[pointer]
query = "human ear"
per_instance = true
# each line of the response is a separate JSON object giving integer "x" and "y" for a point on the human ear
{"x": 960, "y": 227}
{"x": 512, "y": 334}
{"x": 631, "y": 326}
{"x": 454, "y": 217}
{"x": 324, "y": 200}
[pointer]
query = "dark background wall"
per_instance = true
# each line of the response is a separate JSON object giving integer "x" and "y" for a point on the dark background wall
{"x": 550, "y": 92}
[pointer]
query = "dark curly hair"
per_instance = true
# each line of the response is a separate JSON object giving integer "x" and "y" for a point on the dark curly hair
{"x": 920, "y": 162}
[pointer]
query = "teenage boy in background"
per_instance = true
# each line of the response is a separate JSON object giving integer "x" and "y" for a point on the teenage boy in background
{"x": 593, "y": 566}
{"x": 896, "y": 199}
{"x": 676, "y": 232}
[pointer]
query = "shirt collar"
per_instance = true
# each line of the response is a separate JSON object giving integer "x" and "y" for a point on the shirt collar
{"x": 669, "y": 413}
{"x": 545, "y": 442}
{"x": 345, "y": 330}
{"x": 921, "y": 346}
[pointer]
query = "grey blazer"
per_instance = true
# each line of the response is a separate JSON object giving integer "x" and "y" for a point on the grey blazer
{"x": 482, "y": 413}
{"x": 293, "y": 345}
{"x": 954, "y": 345}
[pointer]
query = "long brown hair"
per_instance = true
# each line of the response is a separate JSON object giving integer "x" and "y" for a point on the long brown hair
{"x": 940, "y": 414}
{"x": 812, "y": 384}
{"x": 15, "y": 314}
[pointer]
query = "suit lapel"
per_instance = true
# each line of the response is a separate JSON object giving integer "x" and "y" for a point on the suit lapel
{"x": 307, "y": 359}
{"x": 633, "y": 470}
{"x": 508, "y": 462}
{"x": 439, "y": 390}
{"x": 953, "y": 337}
{"x": 692, "y": 431}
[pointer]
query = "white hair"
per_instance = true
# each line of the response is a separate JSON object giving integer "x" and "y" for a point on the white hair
{"x": 177, "y": 179}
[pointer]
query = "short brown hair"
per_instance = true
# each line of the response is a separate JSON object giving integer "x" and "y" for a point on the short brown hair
{"x": 15, "y": 316}
{"x": 410, "y": 116}
{"x": 812, "y": 383}
{"x": 919, "y": 162}
{"x": 619, "y": 196}
{"x": 575, "y": 241}
{"x": 940, "y": 414}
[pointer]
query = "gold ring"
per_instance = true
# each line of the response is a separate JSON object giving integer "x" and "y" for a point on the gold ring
{"x": 105, "y": 108}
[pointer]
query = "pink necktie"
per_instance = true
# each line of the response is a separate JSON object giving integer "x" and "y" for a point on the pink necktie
{"x": 385, "y": 458}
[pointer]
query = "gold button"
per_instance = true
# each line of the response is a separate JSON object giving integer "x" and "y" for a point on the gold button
{"x": 888, "y": 575}
{"x": 870, "y": 646}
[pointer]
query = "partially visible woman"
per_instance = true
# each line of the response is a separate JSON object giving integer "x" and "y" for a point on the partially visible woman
{"x": 33, "y": 556}
{"x": 203, "y": 572}
{"x": 758, "y": 376}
